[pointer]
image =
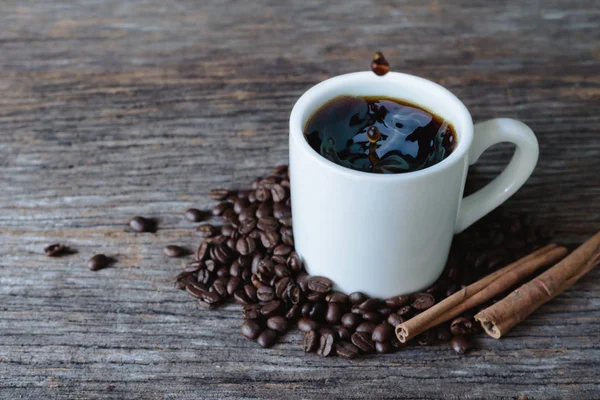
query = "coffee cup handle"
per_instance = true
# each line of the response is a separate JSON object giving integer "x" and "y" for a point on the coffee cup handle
{"x": 518, "y": 170}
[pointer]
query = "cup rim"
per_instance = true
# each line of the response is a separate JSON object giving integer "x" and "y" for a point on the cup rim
{"x": 296, "y": 127}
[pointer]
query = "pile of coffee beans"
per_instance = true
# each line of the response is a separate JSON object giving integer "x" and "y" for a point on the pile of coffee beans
{"x": 249, "y": 258}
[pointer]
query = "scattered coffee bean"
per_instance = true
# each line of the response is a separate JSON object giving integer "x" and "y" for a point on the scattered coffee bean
{"x": 357, "y": 297}
{"x": 55, "y": 250}
{"x": 380, "y": 65}
{"x": 141, "y": 224}
{"x": 326, "y": 344}
{"x": 250, "y": 329}
{"x": 206, "y": 230}
{"x": 173, "y": 251}
{"x": 334, "y": 313}
{"x": 350, "y": 320}
{"x": 397, "y": 301}
{"x": 219, "y": 194}
{"x": 267, "y": 338}
{"x": 461, "y": 344}
{"x": 194, "y": 215}
{"x": 362, "y": 340}
{"x": 311, "y": 341}
{"x": 346, "y": 349}
{"x": 265, "y": 293}
{"x": 98, "y": 262}
{"x": 319, "y": 284}
{"x": 183, "y": 279}
{"x": 372, "y": 316}
{"x": 270, "y": 308}
{"x": 423, "y": 301}
{"x": 202, "y": 251}
{"x": 277, "y": 323}
{"x": 307, "y": 324}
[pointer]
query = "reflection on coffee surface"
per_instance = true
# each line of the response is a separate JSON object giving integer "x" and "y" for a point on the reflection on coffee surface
{"x": 379, "y": 134}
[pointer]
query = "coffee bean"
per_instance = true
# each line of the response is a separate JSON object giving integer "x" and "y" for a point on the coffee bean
{"x": 247, "y": 226}
{"x": 268, "y": 223}
{"x": 264, "y": 210}
{"x": 233, "y": 284}
{"x": 183, "y": 279}
{"x": 293, "y": 312}
{"x": 315, "y": 296}
{"x": 373, "y": 316}
{"x": 269, "y": 239}
{"x": 277, "y": 323}
{"x": 287, "y": 239}
{"x": 382, "y": 333}
{"x": 271, "y": 308}
{"x": 241, "y": 297}
{"x": 404, "y": 311}
{"x": 394, "y": 319}
{"x": 346, "y": 349}
{"x": 98, "y": 262}
{"x": 357, "y": 297}
{"x": 195, "y": 289}
{"x": 370, "y": 304}
{"x": 278, "y": 193}
{"x": 366, "y": 327}
{"x": 363, "y": 341}
{"x": 247, "y": 213}
{"x": 223, "y": 272}
{"x": 383, "y": 347}
{"x": 311, "y": 341}
{"x": 294, "y": 294}
{"x": 334, "y": 313}
{"x": 55, "y": 250}
{"x": 141, "y": 224}
{"x": 281, "y": 211}
{"x": 294, "y": 262}
{"x": 306, "y": 324}
{"x": 240, "y": 204}
{"x": 380, "y": 65}
{"x": 397, "y": 301}
{"x": 385, "y": 311}
{"x": 427, "y": 338}
{"x": 202, "y": 251}
{"x": 230, "y": 216}
{"x": 220, "y": 208}
{"x": 267, "y": 338}
{"x": 263, "y": 194}
{"x": 250, "y": 329}
{"x": 423, "y": 301}
{"x": 204, "y": 277}
{"x": 461, "y": 326}
{"x": 286, "y": 221}
{"x": 265, "y": 293}
{"x": 282, "y": 271}
{"x": 250, "y": 291}
{"x": 319, "y": 284}
{"x": 251, "y": 311}
{"x": 350, "y": 320}
{"x": 282, "y": 250}
{"x": 326, "y": 345}
{"x": 443, "y": 333}
{"x": 461, "y": 344}
{"x": 219, "y": 194}
{"x": 245, "y": 245}
{"x": 173, "y": 251}
{"x": 194, "y": 215}
{"x": 210, "y": 265}
{"x": 337, "y": 297}
{"x": 281, "y": 286}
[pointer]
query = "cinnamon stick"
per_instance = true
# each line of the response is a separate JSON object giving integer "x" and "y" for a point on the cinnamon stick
{"x": 501, "y": 317}
{"x": 479, "y": 292}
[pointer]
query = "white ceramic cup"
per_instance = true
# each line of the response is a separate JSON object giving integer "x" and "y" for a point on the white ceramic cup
{"x": 390, "y": 234}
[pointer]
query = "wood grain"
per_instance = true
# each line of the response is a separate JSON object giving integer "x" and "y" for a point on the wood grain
{"x": 112, "y": 109}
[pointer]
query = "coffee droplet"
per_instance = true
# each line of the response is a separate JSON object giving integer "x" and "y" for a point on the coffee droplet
{"x": 373, "y": 134}
{"x": 380, "y": 65}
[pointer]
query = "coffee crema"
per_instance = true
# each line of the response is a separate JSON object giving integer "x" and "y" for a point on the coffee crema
{"x": 379, "y": 134}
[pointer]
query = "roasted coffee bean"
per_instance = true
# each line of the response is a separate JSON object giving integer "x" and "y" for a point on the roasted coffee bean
{"x": 220, "y": 208}
{"x": 404, "y": 311}
{"x": 55, "y": 250}
{"x": 250, "y": 329}
{"x": 318, "y": 311}
{"x": 223, "y": 272}
{"x": 202, "y": 251}
{"x": 219, "y": 194}
{"x": 277, "y": 323}
{"x": 427, "y": 338}
{"x": 383, "y": 347}
{"x": 235, "y": 269}
{"x": 183, "y": 279}
{"x": 346, "y": 349}
{"x": 294, "y": 262}
{"x": 282, "y": 250}
{"x": 356, "y": 310}
{"x": 98, "y": 262}
{"x": 380, "y": 66}
{"x": 281, "y": 286}
{"x": 310, "y": 342}
{"x": 141, "y": 224}
{"x": 267, "y": 338}
{"x": 246, "y": 274}
{"x": 373, "y": 316}
{"x": 362, "y": 340}
{"x": 350, "y": 320}
{"x": 326, "y": 345}
{"x": 241, "y": 297}
{"x": 173, "y": 251}
{"x": 256, "y": 281}
{"x": 294, "y": 294}
{"x": 231, "y": 243}
{"x": 319, "y": 284}
{"x": 227, "y": 230}
{"x": 461, "y": 326}
{"x": 369, "y": 304}
{"x": 306, "y": 324}
{"x": 251, "y": 311}
{"x": 219, "y": 287}
{"x": 263, "y": 194}
{"x": 265, "y": 293}
{"x": 385, "y": 311}
{"x": 278, "y": 193}
{"x": 287, "y": 239}
{"x": 239, "y": 204}
{"x": 271, "y": 308}
{"x": 293, "y": 312}
{"x": 221, "y": 253}
{"x": 343, "y": 333}
{"x": 205, "y": 305}
{"x": 334, "y": 313}
{"x": 382, "y": 333}
{"x": 266, "y": 266}
{"x": 247, "y": 226}
{"x": 194, "y": 215}
{"x": 210, "y": 265}
{"x": 206, "y": 230}
{"x": 280, "y": 211}
{"x": 461, "y": 344}
{"x": 282, "y": 271}
{"x": 210, "y": 297}
{"x": 233, "y": 284}
{"x": 315, "y": 296}
{"x": 286, "y": 221}
{"x": 230, "y": 216}
{"x": 268, "y": 224}
{"x": 337, "y": 297}
{"x": 195, "y": 289}
{"x": 357, "y": 297}
{"x": 247, "y": 213}
{"x": 245, "y": 245}
{"x": 264, "y": 210}
{"x": 397, "y": 301}
{"x": 204, "y": 277}
{"x": 278, "y": 259}
{"x": 443, "y": 333}
{"x": 394, "y": 319}
{"x": 250, "y": 291}
{"x": 194, "y": 266}
{"x": 306, "y": 307}
{"x": 302, "y": 281}
{"x": 269, "y": 239}
{"x": 366, "y": 327}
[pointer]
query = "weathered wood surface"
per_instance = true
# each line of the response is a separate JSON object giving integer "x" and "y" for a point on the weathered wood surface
{"x": 116, "y": 108}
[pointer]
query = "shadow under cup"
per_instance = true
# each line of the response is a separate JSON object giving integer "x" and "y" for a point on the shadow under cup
{"x": 382, "y": 234}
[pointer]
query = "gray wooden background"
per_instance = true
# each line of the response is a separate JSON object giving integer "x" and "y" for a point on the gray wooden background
{"x": 109, "y": 109}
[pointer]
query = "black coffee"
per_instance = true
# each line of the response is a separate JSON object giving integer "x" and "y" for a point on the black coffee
{"x": 379, "y": 134}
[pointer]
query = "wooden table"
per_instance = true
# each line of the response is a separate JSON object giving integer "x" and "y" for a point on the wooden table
{"x": 117, "y": 108}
